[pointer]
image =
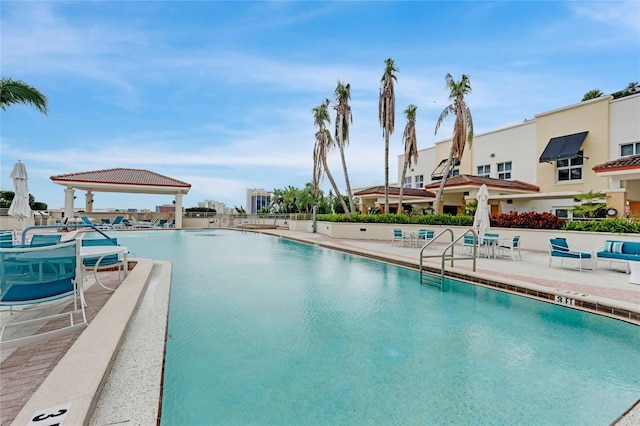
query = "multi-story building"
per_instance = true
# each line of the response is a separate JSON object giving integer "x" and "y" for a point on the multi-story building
{"x": 218, "y": 206}
{"x": 541, "y": 164}
{"x": 257, "y": 199}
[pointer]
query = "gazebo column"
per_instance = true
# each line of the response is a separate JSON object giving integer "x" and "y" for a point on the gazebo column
{"x": 88, "y": 203}
{"x": 68, "y": 202}
{"x": 178, "y": 211}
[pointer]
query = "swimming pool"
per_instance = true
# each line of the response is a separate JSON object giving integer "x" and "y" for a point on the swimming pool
{"x": 268, "y": 331}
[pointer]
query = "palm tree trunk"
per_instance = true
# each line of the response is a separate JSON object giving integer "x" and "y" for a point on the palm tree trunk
{"x": 447, "y": 168}
{"x": 335, "y": 188}
{"x": 346, "y": 179}
{"x": 386, "y": 171}
{"x": 404, "y": 172}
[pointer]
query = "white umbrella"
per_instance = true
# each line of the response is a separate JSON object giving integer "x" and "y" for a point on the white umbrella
{"x": 20, "y": 205}
{"x": 481, "y": 222}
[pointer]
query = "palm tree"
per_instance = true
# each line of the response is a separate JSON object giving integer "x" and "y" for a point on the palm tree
{"x": 410, "y": 147}
{"x": 18, "y": 92}
{"x": 387, "y": 118}
{"x": 462, "y": 128}
{"x": 343, "y": 119}
{"x": 632, "y": 88}
{"x": 323, "y": 144}
{"x": 592, "y": 94}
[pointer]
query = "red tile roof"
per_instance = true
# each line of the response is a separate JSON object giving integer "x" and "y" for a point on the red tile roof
{"x": 471, "y": 180}
{"x": 624, "y": 163}
{"x": 122, "y": 176}
{"x": 395, "y": 190}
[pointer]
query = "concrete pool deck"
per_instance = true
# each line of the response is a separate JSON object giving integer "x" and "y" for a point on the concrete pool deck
{"x": 129, "y": 391}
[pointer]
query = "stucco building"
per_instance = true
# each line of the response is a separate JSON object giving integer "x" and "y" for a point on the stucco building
{"x": 543, "y": 163}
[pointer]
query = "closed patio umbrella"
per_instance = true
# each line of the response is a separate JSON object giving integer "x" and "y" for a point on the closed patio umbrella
{"x": 20, "y": 205}
{"x": 481, "y": 222}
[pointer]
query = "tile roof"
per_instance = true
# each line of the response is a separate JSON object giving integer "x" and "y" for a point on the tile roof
{"x": 122, "y": 176}
{"x": 395, "y": 190}
{"x": 624, "y": 163}
{"x": 471, "y": 180}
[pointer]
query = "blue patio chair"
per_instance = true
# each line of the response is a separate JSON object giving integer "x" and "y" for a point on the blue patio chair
{"x": 56, "y": 277}
{"x": 6, "y": 239}
{"x": 105, "y": 262}
{"x": 559, "y": 249}
{"x": 468, "y": 243}
{"x": 39, "y": 240}
{"x": 511, "y": 248}
{"x": 425, "y": 235}
{"x": 399, "y": 238}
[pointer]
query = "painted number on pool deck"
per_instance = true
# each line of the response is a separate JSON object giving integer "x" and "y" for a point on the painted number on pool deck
{"x": 53, "y": 416}
{"x": 564, "y": 300}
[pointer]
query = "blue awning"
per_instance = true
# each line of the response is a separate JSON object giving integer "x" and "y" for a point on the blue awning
{"x": 563, "y": 147}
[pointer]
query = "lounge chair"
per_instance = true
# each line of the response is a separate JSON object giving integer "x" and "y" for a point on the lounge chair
{"x": 55, "y": 279}
{"x": 160, "y": 223}
{"x": 117, "y": 222}
{"x": 559, "y": 249}
{"x": 87, "y": 221}
{"x": 141, "y": 224}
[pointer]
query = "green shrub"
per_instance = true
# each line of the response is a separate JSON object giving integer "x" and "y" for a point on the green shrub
{"x": 617, "y": 226}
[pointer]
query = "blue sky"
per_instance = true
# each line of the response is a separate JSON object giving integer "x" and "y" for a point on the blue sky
{"x": 219, "y": 94}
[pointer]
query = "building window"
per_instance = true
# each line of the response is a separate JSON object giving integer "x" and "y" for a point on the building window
{"x": 570, "y": 168}
{"x": 453, "y": 173}
{"x": 407, "y": 182}
{"x": 504, "y": 170}
{"x": 630, "y": 149}
{"x": 420, "y": 181}
{"x": 484, "y": 171}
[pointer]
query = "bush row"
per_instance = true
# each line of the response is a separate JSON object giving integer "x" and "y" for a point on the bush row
{"x": 527, "y": 220}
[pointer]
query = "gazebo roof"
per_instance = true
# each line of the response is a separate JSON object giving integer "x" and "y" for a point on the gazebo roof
{"x": 395, "y": 191}
{"x": 123, "y": 180}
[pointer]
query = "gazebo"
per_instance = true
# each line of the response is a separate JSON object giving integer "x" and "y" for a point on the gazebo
{"x": 133, "y": 181}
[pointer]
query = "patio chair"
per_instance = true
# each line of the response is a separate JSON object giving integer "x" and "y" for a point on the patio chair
{"x": 56, "y": 279}
{"x": 106, "y": 262}
{"x": 511, "y": 248}
{"x": 399, "y": 238}
{"x": 559, "y": 249}
{"x": 39, "y": 240}
{"x": 117, "y": 222}
{"x": 468, "y": 241}
{"x": 160, "y": 223}
{"x": 6, "y": 239}
{"x": 425, "y": 235}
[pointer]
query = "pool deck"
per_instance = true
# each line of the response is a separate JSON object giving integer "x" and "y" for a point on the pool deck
{"x": 129, "y": 391}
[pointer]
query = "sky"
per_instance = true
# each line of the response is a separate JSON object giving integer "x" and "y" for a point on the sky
{"x": 219, "y": 94}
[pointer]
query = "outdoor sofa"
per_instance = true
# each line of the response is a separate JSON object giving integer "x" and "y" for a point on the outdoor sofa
{"x": 619, "y": 251}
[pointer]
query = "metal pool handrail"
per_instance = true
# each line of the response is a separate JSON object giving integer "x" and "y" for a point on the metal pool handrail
{"x": 450, "y": 247}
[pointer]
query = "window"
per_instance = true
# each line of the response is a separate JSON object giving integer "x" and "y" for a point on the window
{"x": 504, "y": 170}
{"x": 407, "y": 182}
{"x": 420, "y": 181}
{"x": 570, "y": 168}
{"x": 629, "y": 149}
{"x": 484, "y": 171}
{"x": 453, "y": 173}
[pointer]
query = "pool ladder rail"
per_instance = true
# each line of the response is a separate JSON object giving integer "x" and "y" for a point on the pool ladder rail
{"x": 448, "y": 254}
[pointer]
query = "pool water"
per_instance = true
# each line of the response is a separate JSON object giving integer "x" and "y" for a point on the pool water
{"x": 263, "y": 330}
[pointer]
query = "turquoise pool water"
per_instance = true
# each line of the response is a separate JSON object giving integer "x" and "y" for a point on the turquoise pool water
{"x": 268, "y": 331}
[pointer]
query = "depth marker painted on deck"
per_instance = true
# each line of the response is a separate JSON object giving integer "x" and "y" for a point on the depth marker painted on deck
{"x": 53, "y": 416}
